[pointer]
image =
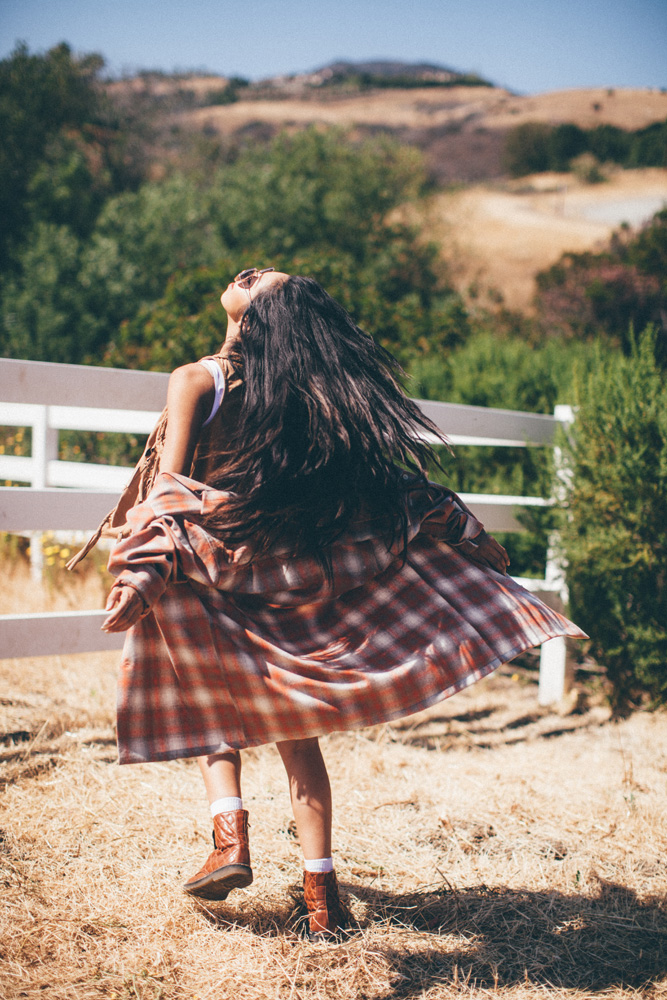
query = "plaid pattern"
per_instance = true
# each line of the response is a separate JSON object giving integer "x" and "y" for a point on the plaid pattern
{"x": 236, "y": 653}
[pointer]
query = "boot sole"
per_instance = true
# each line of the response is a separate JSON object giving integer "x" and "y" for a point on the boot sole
{"x": 218, "y": 884}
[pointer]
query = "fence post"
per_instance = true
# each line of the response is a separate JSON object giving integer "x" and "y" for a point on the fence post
{"x": 44, "y": 450}
{"x": 553, "y": 654}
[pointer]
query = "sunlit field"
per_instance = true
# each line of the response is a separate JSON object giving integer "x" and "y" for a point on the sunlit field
{"x": 488, "y": 848}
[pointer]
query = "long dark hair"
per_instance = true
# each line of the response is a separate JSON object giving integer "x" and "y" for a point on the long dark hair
{"x": 325, "y": 430}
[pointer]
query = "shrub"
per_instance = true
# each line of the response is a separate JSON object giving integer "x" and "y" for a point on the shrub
{"x": 533, "y": 147}
{"x": 504, "y": 372}
{"x": 614, "y": 521}
{"x": 586, "y": 295}
{"x": 528, "y": 149}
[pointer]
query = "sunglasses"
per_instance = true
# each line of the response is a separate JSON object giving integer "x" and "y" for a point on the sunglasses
{"x": 246, "y": 279}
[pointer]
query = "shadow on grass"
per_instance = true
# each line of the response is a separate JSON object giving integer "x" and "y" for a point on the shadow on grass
{"x": 518, "y": 936}
{"x": 520, "y": 729}
{"x": 497, "y": 937}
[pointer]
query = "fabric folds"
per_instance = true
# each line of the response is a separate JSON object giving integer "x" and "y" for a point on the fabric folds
{"x": 237, "y": 652}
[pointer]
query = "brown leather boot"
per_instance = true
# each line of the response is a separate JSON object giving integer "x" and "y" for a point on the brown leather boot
{"x": 327, "y": 916}
{"x": 228, "y": 867}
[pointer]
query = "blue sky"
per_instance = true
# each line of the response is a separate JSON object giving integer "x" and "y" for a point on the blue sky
{"x": 526, "y": 45}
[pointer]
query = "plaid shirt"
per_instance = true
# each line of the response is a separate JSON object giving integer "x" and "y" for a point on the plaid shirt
{"x": 238, "y": 652}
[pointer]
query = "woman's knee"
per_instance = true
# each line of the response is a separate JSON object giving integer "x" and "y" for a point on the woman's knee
{"x": 296, "y": 748}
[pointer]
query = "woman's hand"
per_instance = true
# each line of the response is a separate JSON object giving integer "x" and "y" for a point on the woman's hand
{"x": 489, "y": 552}
{"x": 126, "y": 606}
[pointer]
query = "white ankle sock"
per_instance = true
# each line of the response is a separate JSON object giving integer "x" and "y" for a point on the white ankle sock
{"x": 319, "y": 865}
{"x": 226, "y": 805}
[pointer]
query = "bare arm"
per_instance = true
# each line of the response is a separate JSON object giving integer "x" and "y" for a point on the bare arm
{"x": 189, "y": 400}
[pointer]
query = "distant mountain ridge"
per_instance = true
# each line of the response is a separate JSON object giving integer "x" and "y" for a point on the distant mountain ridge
{"x": 388, "y": 67}
{"x": 378, "y": 72}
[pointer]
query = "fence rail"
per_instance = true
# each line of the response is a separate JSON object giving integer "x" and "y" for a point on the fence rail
{"x": 74, "y": 496}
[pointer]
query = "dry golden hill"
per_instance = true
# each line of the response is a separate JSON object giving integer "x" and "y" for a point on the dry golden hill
{"x": 496, "y": 239}
{"x": 477, "y": 107}
{"x": 461, "y": 129}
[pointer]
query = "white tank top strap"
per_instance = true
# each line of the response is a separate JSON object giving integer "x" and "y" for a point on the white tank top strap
{"x": 215, "y": 370}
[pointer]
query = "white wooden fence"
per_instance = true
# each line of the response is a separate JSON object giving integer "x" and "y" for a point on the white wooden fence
{"x": 75, "y": 496}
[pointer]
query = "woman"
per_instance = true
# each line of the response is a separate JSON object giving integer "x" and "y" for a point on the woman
{"x": 306, "y": 579}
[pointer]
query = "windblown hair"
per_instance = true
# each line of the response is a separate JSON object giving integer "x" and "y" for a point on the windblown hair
{"x": 325, "y": 430}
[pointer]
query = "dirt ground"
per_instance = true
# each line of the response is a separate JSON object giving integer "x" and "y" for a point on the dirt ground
{"x": 489, "y": 848}
{"x": 498, "y": 238}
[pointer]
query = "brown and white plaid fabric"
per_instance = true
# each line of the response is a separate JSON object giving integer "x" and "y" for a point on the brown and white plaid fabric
{"x": 235, "y": 653}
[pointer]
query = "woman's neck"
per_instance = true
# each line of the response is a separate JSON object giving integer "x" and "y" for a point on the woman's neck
{"x": 233, "y": 334}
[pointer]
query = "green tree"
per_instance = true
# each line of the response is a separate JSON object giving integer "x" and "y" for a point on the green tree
{"x": 649, "y": 146}
{"x": 315, "y": 203}
{"x": 157, "y": 230}
{"x": 609, "y": 143}
{"x": 528, "y": 149}
{"x": 42, "y": 307}
{"x": 565, "y": 142}
{"x": 40, "y": 97}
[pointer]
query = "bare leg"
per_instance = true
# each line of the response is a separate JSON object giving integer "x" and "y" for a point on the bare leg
{"x": 222, "y": 774}
{"x": 310, "y": 793}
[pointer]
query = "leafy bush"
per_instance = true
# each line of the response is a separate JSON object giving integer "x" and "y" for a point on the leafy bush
{"x": 614, "y": 521}
{"x": 527, "y": 149}
{"x": 504, "y": 372}
{"x": 586, "y": 295}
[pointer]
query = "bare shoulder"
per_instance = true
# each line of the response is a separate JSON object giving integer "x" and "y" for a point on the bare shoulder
{"x": 191, "y": 388}
{"x": 190, "y": 380}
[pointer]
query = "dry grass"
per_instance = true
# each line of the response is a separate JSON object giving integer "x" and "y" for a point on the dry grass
{"x": 498, "y": 240}
{"x": 489, "y": 849}
{"x": 432, "y": 108}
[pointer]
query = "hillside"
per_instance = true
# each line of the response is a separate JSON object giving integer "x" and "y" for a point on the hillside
{"x": 483, "y": 107}
{"x": 461, "y": 127}
{"x": 497, "y": 238}
{"x": 496, "y": 234}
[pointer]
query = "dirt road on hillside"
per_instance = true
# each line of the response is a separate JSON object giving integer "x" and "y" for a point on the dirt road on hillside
{"x": 498, "y": 239}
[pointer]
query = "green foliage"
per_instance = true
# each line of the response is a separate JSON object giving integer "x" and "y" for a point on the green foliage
{"x": 314, "y": 189}
{"x": 66, "y": 303}
{"x": 527, "y": 149}
{"x": 228, "y": 94}
{"x": 614, "y": 521}
{"x": 566, "y": 142}
{"x": 534, "y": 147}
{"x": 157, "y": 230}
{"x": 399, "y": 81}
{"x": 610, "y": 144}
{"x": 314, "y": 204}
{"x": 504, "y": 372}
{"x": 43, "y": 308}
{"x": 61, "y": 154}
{"x": 608, "y": 294}
{"x": 63, "y": 188}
